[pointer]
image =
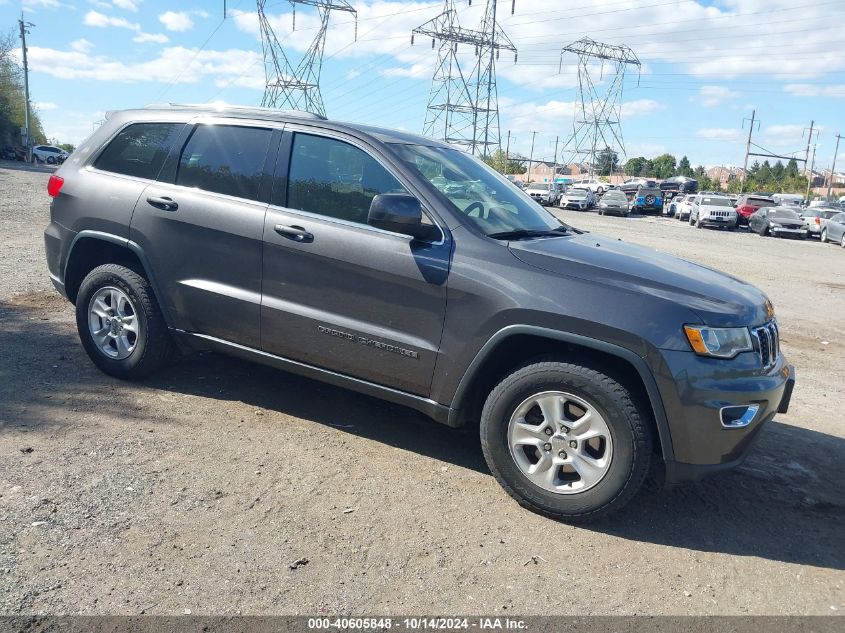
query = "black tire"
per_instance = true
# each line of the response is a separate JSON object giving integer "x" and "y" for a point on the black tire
{"x": 823, "y": 237}
{"x": 153, "y": 347}
{"x": 627, "y": 422}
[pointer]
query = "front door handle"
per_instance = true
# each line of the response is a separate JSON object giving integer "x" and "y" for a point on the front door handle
{"x": 295, "y": 233}
{"x": 165, "y": 204}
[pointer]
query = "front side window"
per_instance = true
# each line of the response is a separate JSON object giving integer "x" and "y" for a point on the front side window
{"x": 483, "y": 197}
{"x": 225, "y": 159}
{"x": 335, "y": 179}
{"x": 139, "y": 149}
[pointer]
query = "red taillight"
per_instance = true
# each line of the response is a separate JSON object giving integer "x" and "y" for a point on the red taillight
{"x": 818, "y": 221}
{"x": 54, "y": 185}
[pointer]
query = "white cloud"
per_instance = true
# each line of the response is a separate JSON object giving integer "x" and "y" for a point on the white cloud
{"x": 47, "y": 4}
{"x": 810, "y": 90}
{"x": 81, "y": 45}
{"x": 712, "y": 96}
{"x": 641, "y": 107}
{"x": 46, "y": 105}
{"x": 728, "y": 135}
{"x": 129, "y": 5}
{"x": 157, "y": 38}
{"x": 176, "y": 21}
{"x": 100, "y": 20}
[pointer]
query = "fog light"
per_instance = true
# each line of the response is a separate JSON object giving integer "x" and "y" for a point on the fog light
{"x": 738, "y": 417}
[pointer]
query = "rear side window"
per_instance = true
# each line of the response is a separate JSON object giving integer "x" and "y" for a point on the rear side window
{"x": 225, "y": 159}
{"x": 139, "y": 149}
{"x": 335, "y": 179}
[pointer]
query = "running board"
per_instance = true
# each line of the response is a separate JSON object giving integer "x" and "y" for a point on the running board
{"x": 434, "y": 410}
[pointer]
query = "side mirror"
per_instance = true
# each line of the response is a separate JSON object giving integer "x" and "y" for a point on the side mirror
{"x": 399, "y": 213}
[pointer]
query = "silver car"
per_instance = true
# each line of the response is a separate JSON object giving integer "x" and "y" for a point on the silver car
{"x": 834, "y": 230}
{"x": 578, "y": 199}
{"x": 816, "y": 219}
{"x": 614, "y": 202}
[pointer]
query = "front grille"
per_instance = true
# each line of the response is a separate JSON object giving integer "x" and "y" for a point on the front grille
{"x": 768, "y": 343}
{"x": 721, "y": 214}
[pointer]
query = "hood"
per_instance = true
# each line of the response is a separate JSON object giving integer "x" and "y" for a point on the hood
{"x": 717, "y": 298}
{"x": 787, "y": 222}
{"x": 715, "y": 207}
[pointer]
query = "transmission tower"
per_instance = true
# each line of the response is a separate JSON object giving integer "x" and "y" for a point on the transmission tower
{"x": 463, "y": 106}
{"x": 597, "y": 122}
{"x": 297, "y": 88}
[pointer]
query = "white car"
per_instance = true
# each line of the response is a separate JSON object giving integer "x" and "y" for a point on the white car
{"x": 595, "y": 185}
{"x": 49, "y": 154}
{"x": 578, "y": 199}
{"x": 788, "y": 199}
{"x": 545, "y": 193}
{"x": 683, "y": 206}
{"x": 710, "y": 210}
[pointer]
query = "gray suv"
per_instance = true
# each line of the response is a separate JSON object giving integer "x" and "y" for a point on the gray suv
{"x": 405, "y": 269}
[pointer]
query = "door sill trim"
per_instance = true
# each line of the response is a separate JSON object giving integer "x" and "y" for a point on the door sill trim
{"x": 435, "y": 410}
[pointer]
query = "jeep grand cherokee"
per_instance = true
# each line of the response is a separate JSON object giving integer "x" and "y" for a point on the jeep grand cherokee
{"x": 403, "y": 268}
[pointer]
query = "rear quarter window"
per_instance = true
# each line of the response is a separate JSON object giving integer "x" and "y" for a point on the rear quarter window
{"x": 139, "y": 149}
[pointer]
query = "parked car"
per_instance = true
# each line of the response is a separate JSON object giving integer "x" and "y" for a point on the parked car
{"x": 672, "y": 187}
{"x": 585, "y": 361}
{"x": 710, "y": 210}
{"x": 778, "y": 222}
{"x": 841, "y": 199}
{"x": 816, "y": 219}
{"x": 788, "y": 199}
{"x": 578, "y": 199}
{"x": 748, "y": 204}
{"x": 547, "y": 194}
{"x": 614, "y": 203}
{"x": 631, "y": 186}
{"x": 834, "y": 230}
{"x": 49, "y": 154}
{"x": 683, "y": 206}
{"x": 647, "y": 200}
{"x": 598, "y": 187}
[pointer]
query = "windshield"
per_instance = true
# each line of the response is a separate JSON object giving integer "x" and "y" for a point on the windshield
{"x": 484, "y": 198}
{"x": 783, "y": 214}
{"x": 716, "y": 202}
{"x": 615, "y": 196}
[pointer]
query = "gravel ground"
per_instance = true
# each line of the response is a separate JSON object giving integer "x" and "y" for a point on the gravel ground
{"x": 222, "y": 487}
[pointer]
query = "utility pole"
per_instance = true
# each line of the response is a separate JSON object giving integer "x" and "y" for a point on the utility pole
{"x": 833, "y": 166}
{"x": 508, "y": 152}
{"x": 810, "y": 176}
{"x": 747, "y": 151}
{"x": 24, "y": 26}
{"x": 554, "y": 169}
{"x": 531, "y": 156}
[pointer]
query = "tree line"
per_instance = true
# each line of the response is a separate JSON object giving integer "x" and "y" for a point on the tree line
{"x": 12, "y": 99}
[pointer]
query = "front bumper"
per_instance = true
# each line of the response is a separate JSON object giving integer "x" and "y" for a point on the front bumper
{"x": 719, "y": 221}
{"x": 577, "y": 206}
{"x": 695, "y": 389}
{"x": 779, "y": 231}
{"x": 57, "y": 242}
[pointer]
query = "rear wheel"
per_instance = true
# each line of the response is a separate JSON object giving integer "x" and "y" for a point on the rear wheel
{"x": 120, "y": 323}
{"x": 842, "y": 241}
{"x": 823, "y": 238}
{"x": 565, "y": 440}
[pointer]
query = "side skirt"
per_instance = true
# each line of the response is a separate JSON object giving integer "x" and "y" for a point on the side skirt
{"x": 436, "y": 411}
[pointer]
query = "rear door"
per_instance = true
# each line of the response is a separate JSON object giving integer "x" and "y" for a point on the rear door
{"x": 348, "y": 297}
{"x": 201, "y": 226}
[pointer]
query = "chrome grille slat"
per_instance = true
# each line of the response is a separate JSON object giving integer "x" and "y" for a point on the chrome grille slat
{"x": 768, "y": 343}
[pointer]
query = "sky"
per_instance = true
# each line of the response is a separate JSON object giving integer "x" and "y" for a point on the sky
{"x": 705, "y": 66}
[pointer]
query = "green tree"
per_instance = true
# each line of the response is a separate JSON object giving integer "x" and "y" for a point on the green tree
{"x": 664, "y": 166}
{"x": 607, "y": 162}
{"x": 635, "y": 166}
{"x": 684, "y": 168}
{"x": 754, "y": 169}
{"x": 778, "y": 171}
{"x": 791, "y": 168}
{"x": 498, "y": 161}
{"x": 12, "y": 101}
{"x": 699, "y": 174}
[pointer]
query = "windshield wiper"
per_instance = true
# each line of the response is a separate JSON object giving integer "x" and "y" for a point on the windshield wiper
{"x": 521, "y": 234}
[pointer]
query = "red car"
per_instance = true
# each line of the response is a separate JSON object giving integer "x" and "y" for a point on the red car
{"x": 748, "y": 204}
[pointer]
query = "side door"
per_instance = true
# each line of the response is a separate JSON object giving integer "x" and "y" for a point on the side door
{"x": 201, "y": 225}
{"x": 340, "y": 294}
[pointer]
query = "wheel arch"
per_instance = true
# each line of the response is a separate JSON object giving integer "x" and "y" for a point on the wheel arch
{"x": 90, "y": 249}
{"x": 518, "y": 344}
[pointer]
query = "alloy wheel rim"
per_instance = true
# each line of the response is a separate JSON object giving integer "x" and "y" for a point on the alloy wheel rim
{"x": 560, "y": 442}
{"x": 113, "y": 323}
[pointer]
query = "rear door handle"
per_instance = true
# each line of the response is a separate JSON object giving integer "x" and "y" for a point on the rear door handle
{"x": 295, "y": 233}
{"x": 166, "y": 204}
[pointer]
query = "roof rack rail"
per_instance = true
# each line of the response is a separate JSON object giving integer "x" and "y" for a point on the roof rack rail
{"x": 225, "y": 107}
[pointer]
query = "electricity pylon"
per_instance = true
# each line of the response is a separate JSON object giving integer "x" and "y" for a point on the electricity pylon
{"x": 598, "y": 113}
{"x": 463, "y": 106}
{"x": 289, "y": 87}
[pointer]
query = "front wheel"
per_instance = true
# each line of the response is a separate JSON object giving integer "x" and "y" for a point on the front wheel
{"x": 565, "y": 440}
{"x": 823, "y": 238}
{"x": 120, "y": 323}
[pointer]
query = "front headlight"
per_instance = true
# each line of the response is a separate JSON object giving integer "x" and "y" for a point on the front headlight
{"x": 718, "y": 342}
